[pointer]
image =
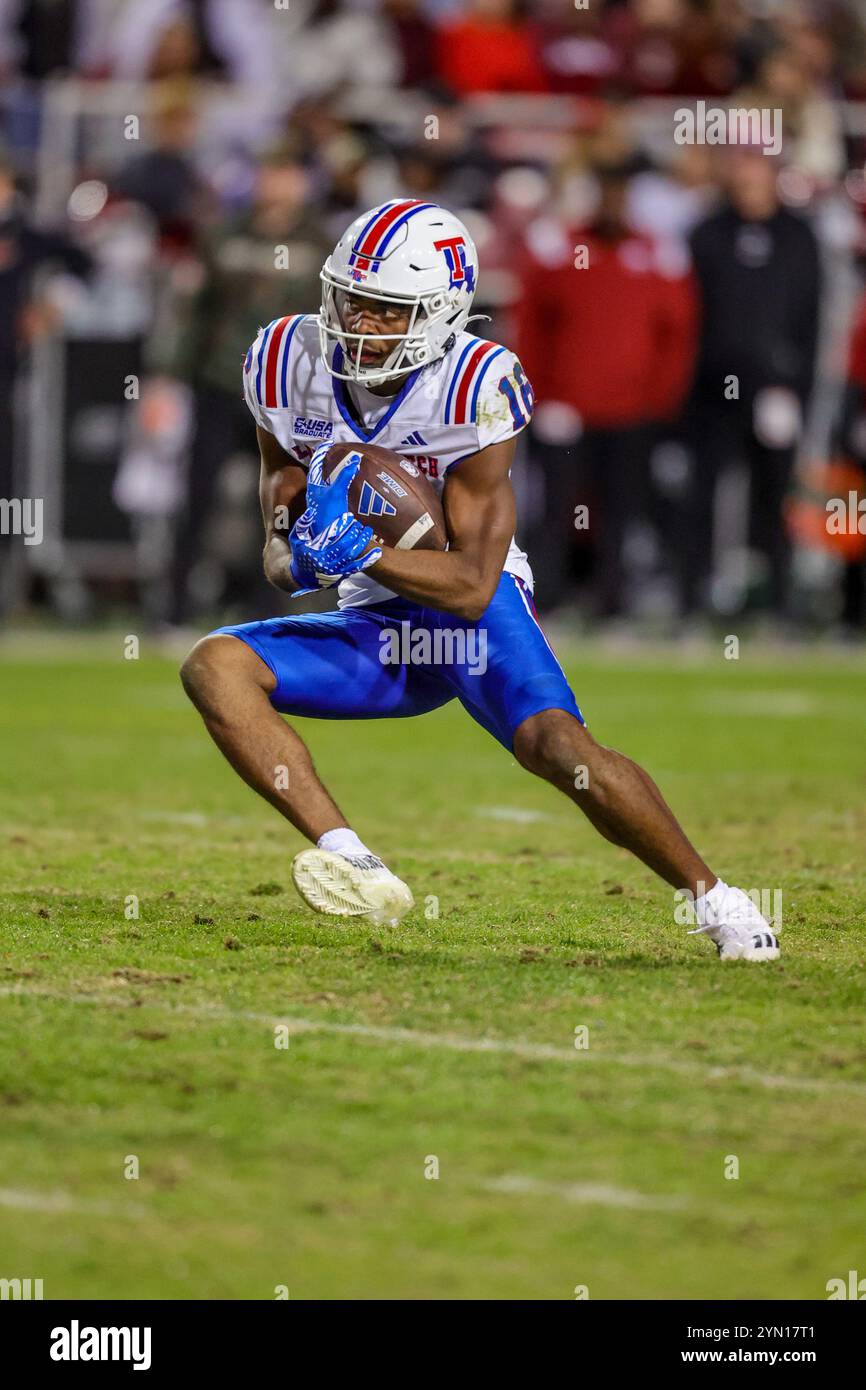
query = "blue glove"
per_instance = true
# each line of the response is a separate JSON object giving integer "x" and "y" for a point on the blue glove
{"x": 322, "y": 558}
{"x": 327, "y": 542}
{"x": 330, "y": 500}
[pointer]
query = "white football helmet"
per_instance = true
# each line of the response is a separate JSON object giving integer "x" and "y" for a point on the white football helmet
{"x": 410, "y": 253}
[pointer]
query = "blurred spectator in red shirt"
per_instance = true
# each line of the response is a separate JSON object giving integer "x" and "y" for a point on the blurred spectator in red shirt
{"x": 677, "y": 47}
{"x": 607, "y": 337}
{"x": 579, "y": 49}
{"x": 614, "y": 336}
{"x": 490, "y": 50}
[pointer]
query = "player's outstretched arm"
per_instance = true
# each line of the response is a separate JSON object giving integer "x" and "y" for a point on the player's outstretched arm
{"x": 282, "y": 493}
{"x": 480, "y": 515}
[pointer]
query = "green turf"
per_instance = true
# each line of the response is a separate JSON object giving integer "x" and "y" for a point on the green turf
{"x": 305, "y": 1167}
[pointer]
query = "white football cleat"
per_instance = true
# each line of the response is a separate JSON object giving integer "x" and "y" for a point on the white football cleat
{"x": 351, "y": 885}
{"x": 739, "y": 930}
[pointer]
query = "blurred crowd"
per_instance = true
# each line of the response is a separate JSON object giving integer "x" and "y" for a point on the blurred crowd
{"x": 692, "y": 316}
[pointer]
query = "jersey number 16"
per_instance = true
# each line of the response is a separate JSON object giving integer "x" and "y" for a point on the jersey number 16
{"x": 521, "y": 415}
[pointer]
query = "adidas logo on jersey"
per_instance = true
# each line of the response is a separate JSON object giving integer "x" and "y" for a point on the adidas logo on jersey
{"x": 372, "y": 503}
{"x": 413, "y": 440}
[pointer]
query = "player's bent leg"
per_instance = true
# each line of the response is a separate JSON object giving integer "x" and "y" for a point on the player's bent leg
{"x": 626, "y": 807}
{"x": 230, "y": 686}
{"x": 239, "y": 679}
{"x": 523, "y": 698}
{"x": 618, "y": 797}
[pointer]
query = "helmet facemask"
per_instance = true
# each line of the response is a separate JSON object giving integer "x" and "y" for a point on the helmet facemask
{"x": 433, "y": 319}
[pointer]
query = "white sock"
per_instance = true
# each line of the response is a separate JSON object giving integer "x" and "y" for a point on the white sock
{"x": 706, "y": 907}
{"x": 342, "y": 841}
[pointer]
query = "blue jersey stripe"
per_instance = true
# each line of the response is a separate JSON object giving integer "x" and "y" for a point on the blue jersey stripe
{"x": 464, "y": 354}
{"x": 284, "y": 394}
{"x": 262, "y": 352}
{"x": 481, "y": 372}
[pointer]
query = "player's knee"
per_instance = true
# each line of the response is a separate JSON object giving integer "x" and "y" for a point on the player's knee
{"x": 197, "y": 669}
{"x": 211, "y": 662}
{"x": 550, "y": 744}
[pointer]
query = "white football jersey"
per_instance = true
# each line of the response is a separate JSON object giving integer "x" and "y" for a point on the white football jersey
{"x": 474, "y": 396}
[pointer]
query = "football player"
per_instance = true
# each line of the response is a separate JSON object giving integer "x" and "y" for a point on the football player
{"x": 389, "y": 359}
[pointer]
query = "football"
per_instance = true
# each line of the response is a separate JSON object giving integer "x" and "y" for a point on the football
{"x": 392, "y": 495}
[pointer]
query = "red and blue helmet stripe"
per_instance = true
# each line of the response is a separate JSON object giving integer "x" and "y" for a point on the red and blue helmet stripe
{"x": 375, "y": 237}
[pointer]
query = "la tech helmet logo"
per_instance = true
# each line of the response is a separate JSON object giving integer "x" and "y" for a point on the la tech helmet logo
{"x": 454, "y": 251}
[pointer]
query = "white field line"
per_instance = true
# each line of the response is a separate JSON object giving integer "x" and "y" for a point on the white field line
{"x": 455, "y": 1042}
{"x": 583, "y": 1193}
{"x": 588, "y": 1194}
{"x": 765, "y": 704}
{"x": 19, "y": 1200}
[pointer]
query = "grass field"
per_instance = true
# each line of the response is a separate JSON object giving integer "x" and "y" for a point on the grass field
{"x": 452, "y": 1036}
